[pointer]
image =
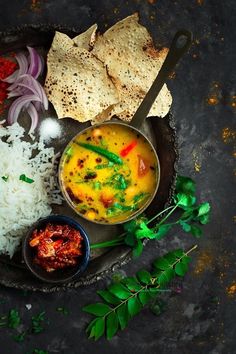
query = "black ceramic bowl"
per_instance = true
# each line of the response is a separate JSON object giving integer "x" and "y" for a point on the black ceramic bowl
{"x": 60, "y": 275}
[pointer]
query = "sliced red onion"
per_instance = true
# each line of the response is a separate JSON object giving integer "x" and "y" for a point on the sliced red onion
{"x": 11, "y": 78}
{"x": 17, "y": 106}
{"x": 36, "y": 86}
{"x": 24, "y": 84}
{"x": 34, "y": 117}
{"x": 23, "y": 63}
{"x": 35, "y": 63}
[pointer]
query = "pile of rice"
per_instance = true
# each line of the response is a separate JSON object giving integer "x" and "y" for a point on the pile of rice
{"x": 21, "y": 203}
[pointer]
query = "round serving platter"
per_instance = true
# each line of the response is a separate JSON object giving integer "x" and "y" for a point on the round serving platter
{"x": 161, "y": 132}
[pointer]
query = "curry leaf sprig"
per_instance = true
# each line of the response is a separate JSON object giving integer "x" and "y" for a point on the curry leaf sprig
{"x": 191, "y": 219}
{"x": 122, "y": 301}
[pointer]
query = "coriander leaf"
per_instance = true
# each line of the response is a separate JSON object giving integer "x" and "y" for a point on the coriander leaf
{"x": 185, "y": 226}
{"x": 123, "y": 315}
{"x": 112, "y": 325}
{"x": 162, "y": 231}
{"x": 144, "y": 276}
{"x": 203, "y": 209}
{"x": 119, "y": 291}
{"x": 130, "y": 240}
{"x": 97, "y": 185}
{"x": 134, "y": 306}
{"x": 5, "y": 178}
{"x": 204, "y": 219}
{"x": 181, "y": 268}
{"x": 185, "y": 200}
{"x": 137, "y": 249}
{"x": 99, "y": 328}
{"x": 26, "y": 179}
{"x": 196, "y": 231}
{"x": 98, "y": 309}
{"x": 185, "y": 185}
{"x": 144, "y": 232}
{"x": 108, "y": 297}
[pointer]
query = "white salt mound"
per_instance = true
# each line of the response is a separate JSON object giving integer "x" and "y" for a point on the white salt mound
{"x": 49, "y": 129}
{"x": 21, "y": 203}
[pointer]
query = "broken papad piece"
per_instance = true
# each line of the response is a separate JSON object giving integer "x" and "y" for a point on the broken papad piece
{"x": 77, "y": 83}
{"x": 86, "y": 39}
{"x": 132, "y": 62}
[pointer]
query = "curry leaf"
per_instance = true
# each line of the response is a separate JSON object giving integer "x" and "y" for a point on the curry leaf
{"x": 108, "y": 297}
{"x": 119, "y": 291}
{"x": 134, "y": 306}
{"x": 132, "y": 296}
{"x": 132, "y": 283}
{"x": 144, "y": 297}
{"x": 161, "y": 263}
{"x": 181, "y": 268}
{"x": 112, "y": 325}
{"x": 99, "y": 328}
{"x": 144, "y": 276}
{"x": 98, "y": 309}
{"x": 123, "y": 315}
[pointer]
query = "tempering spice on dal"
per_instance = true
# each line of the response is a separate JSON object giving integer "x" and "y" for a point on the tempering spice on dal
{"x": 7, "y": 67}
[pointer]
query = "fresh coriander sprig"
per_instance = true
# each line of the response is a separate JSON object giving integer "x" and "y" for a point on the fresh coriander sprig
{"x": 124, "y": 300}
{"x": 192, "y": 217}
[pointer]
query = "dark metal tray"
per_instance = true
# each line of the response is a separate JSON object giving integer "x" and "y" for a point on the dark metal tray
{"x": 161, "y": 132}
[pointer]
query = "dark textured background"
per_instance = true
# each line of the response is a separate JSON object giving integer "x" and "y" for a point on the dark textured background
{"x": 202, "y": 318}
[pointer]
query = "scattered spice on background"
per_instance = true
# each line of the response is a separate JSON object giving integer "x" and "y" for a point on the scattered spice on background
{"x": 35, "y": 5}
{"x": 233, "y": 101}
{"x": 231, "y": 290}
{"x": 197, "y": 162}
{"x": 214, "y": 95}
{"x": 228, "y": 135}
{"x": 204, "y": 262}
{"x": 212, "y": 100}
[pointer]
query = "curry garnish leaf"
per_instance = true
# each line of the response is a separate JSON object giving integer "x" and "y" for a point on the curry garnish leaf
{"x": 26, "y": 179}
{"x": 20, "y": 337}
{"x": 62, "y": 310}
{"x": 37, "y": 322}
{"x": 13, "y": 319}
{"x": 5, "y": 178}
{"x": 127, "y": 298}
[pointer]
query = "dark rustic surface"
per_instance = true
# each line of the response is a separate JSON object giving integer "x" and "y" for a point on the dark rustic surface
{"x": 202, "y": 318}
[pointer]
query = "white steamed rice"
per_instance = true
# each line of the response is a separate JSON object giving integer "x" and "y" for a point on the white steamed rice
{"x": 21, "y": 203}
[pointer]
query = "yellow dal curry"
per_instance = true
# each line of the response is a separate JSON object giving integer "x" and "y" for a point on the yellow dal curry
{"x": 108, "y": 173}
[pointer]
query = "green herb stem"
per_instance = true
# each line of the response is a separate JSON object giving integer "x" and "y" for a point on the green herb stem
{"x": 162, "y": 212}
